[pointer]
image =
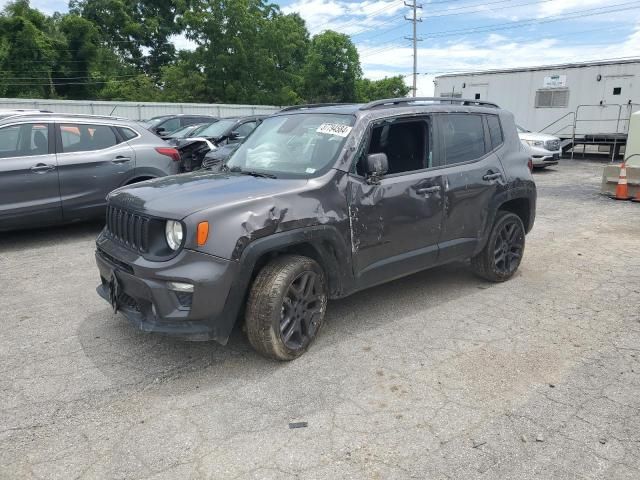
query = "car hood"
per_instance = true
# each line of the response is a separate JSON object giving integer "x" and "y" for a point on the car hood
{"x": 543, "y": 137}
{"x": 178, "y": 196}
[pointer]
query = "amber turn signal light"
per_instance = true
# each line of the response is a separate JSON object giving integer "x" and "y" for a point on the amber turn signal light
{"x": 203, "y": 233}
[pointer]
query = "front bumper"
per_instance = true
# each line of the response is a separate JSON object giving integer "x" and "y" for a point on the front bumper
{"x": 144, "y": 297}
{"x": 542, "y": 157}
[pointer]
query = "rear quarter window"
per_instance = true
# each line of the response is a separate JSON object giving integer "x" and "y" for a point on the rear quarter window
{"x": 495, "y": 131}
{"x": 127, "y": 133}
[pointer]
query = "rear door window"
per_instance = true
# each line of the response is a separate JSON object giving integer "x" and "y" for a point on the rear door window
{"x": 85, "y": 137}
{"x": 24, "y": 140}
{"x": 463, "y": 137}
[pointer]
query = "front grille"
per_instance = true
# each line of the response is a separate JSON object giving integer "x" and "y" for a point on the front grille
{"x": 128, "y": 228}
{"x": 552, "y": 145}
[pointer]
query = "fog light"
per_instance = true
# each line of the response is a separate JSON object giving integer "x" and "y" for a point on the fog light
{"x": 180, "y": 287}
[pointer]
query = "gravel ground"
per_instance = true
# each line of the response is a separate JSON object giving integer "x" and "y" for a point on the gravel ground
{"x": 438, "y": 375}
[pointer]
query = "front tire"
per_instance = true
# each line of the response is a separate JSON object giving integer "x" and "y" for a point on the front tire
{"x": 501, "y": 256}
{"x": 286, "y": 307}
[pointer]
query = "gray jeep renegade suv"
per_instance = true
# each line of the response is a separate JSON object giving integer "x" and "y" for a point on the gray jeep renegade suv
{"x": 321, "y": 201}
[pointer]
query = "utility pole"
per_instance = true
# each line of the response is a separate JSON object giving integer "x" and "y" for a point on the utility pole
{"x": 414, "y": 6}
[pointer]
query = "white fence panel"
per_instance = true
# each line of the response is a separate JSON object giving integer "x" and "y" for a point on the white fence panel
{"x": 135, "y": 110}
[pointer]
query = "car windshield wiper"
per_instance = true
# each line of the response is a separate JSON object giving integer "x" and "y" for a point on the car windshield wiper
{"x": 253, "y": 173}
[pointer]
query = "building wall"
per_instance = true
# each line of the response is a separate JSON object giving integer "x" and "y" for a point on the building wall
{"x": 516, "y": 91}
{"x": 135, "y": 110}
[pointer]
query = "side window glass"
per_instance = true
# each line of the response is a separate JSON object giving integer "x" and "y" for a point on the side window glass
{"x": 463, "y": 137}
{"x": 245, "y": 129}
{"x": 127, "y": 133}
{"x": 407, "y": 145}
{"x": 495, "y": 131}
{"x": 24, "y": 140}
{"x": 9, "y": 141}
{"x": 86, "y": 138}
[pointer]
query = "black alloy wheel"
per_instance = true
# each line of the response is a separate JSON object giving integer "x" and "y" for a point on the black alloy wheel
{"x": 286, "y": 306}
{"x": 503, "y": 251}
{"x": 509, "y": 247}
{"x": 302, "y": 306}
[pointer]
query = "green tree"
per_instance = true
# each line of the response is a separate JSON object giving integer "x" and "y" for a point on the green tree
{"x": 139, "y": 88}
{"x": 388, "y": 87}
{"x": 332, "y": 69}
{"x": 75, "y": 70}
{"x": 248, "y": 50}
{"x": 183, "y": 81}
{"x": 139, "y": 31}
{"x": 28, "y": 52}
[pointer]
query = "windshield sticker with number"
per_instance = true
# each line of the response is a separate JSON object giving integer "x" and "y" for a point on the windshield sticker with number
{"x": 334, "y": 129}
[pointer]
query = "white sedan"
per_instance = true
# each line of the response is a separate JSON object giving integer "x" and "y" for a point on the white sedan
{"x": 544, "y": 149}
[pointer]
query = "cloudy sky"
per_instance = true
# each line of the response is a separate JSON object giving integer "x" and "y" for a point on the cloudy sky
{"x": 462, "y": 35}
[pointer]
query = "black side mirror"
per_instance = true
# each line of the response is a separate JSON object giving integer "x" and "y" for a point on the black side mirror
{"x": 377, "y": 164}
{"x": 234, "y": 135}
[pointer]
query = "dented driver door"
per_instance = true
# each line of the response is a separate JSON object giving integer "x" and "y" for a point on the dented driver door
{"x": 395, "y": 225}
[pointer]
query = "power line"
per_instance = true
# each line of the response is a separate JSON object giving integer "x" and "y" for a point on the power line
{"x": 61, "y": 84}
{"x": 549, "y": 19}
{"x": 393, "y": 3}
{"x": 60, "y": 78}
{"x": 391, "y": 44}
{"x": 522, "y": 23}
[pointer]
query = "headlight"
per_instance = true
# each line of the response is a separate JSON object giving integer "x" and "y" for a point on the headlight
{"x": 173, "y": 232}
{"x": 535, "y": 143}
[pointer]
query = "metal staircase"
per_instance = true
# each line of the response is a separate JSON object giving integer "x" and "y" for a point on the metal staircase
{"x": 594, "y": 124}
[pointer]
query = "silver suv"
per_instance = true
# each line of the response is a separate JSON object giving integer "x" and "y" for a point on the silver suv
{"x": 57, "y": 168}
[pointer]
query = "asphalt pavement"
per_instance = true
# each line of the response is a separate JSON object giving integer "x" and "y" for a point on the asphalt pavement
{"x": 435, "y": 376}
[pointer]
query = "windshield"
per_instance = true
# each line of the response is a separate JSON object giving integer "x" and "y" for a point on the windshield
{"x": 297, "y": 145}
{"x": 214, "y": 129}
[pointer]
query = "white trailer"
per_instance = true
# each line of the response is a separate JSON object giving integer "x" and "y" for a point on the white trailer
{"x": 580, "y": 102}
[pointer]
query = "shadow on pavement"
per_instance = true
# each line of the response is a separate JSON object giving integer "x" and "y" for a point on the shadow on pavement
{"x": 39, "y": 237}
{"x": 135, "y": 359}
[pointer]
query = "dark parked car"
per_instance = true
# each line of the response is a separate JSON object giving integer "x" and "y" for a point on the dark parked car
{"x": 166, "y": 124}
{"x": 215, "y": 159}
{"x": 209, "y": 138}
{"x": 318, "y": 203}
{"x": 57, "y": 168}
{"x": 174, "y": 137}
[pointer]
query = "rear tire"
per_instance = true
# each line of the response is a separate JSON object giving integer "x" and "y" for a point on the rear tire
{"x": 501, "y": 256}
{"x": 286, "y": 307}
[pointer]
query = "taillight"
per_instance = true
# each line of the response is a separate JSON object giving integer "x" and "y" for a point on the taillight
{"x": 530, "y": 164}
{"x": 169, "y": 152}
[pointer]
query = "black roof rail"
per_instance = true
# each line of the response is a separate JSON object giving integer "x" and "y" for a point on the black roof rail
{"x": 312, "y": 105}
{"x": 446, "y": 100}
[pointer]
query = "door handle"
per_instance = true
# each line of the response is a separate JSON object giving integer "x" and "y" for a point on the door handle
{"x": 427, "y": 190}
{"x": 492, "y": 176}
{"x": 121, "y": 159}
{"x": 42, "y": 168}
